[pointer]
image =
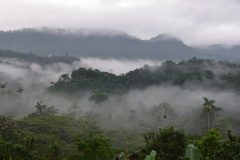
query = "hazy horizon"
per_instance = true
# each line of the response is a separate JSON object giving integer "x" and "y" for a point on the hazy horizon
{"x": 196, "y": 22}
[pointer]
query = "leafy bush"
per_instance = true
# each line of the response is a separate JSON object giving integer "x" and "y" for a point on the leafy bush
{"x": 169, "y": 143}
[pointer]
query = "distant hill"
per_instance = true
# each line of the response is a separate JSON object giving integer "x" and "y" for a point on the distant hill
{"x": 29, "y": 57}
{"x": 105, "y": 43}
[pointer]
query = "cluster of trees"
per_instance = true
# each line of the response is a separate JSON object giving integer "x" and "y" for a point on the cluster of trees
{"x": 44, "y": 135}
{"x": 171, "y": 144}
{"x": 3, "y": 87}
{"x": 51, "y": 137}
{"x": 43, "y": 109}
{"x": 193, "y": 70}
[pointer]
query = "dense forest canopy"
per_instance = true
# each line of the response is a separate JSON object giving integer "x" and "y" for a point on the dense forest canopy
{"x": 199, "y": 72}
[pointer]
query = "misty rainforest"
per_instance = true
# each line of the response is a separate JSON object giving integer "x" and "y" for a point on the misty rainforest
{"x": 119, "y": 80}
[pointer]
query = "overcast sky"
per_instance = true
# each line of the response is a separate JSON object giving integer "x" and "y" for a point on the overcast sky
{"x": 196, "y": 22}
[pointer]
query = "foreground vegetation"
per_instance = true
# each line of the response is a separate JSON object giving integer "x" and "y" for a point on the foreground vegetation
{"x": 43, "y": 135}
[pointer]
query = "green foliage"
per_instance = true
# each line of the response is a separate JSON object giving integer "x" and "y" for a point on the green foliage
{"x": 98, "y": 97}
{"x": 6, "y": 127}
{"x": 54, "y": 152}
{"x": 52, "y": 137}
{"x": 210, "y": 143}
{"x": 169, "y": 143}
{"x": 15, "y": 151}
{"x": 95, "y": 147}
{"x": 230, "y": 149}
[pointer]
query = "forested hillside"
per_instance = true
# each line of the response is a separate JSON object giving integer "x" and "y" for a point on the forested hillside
{"x": 105, "y": 43}
{"x": 197, "y": 72}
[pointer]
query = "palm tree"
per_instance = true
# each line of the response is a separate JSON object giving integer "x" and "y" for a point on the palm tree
{"x": 40, "y": 108}
{"x": 209, "y": 108}
{"x": 3, "y": 86}
{"x": 165, "y": 105}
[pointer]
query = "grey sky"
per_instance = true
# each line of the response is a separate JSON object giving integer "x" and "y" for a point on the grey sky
{"x": 196, "y": 22}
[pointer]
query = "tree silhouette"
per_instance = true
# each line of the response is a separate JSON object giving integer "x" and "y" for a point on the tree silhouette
{"x": 44, "y": 109}
{"x": 20, "y": 90}
{"x": 165, "y": 105}
{"x": 40, "y": 107}
{"x": 163, "y": 111}
{"x": 209, "y": 108}
{"x": 98, "y": 97}
{"x": 64, "y": 78}
{"x": 3, "y": 86}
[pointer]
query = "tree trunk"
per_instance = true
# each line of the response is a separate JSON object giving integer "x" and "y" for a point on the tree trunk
{"x": 208, "y": 125}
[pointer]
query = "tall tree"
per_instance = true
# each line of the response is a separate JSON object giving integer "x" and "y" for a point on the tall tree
{"x": 209, "y": 108}
{"x": 40, "y": 107}
{"x": 43, "y": 109}
{"x": 3, "y": 86}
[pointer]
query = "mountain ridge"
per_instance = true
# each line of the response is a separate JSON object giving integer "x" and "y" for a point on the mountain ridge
{"x": 106, "y": 43}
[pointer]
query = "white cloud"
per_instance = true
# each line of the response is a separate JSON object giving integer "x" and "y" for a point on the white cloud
{"x": 32, "y": 73}
{"x": 197, "y": 22}
{"x": 116, "y": 66}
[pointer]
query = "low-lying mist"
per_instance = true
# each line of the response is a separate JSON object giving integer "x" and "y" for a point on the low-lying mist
{"x": 26, "y": 73}
{"x": 138, "y": 109}
{"x": 117, "y": 66}
{"x": 35, "y": 78}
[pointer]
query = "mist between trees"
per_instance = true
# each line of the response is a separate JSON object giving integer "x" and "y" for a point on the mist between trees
{"x": 135, "y": 108}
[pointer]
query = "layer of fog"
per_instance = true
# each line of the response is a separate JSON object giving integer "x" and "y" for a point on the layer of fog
{"x": 117, "y": 66}
{"x": 27, "y": 73}
{"x": 138, "y": 109}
